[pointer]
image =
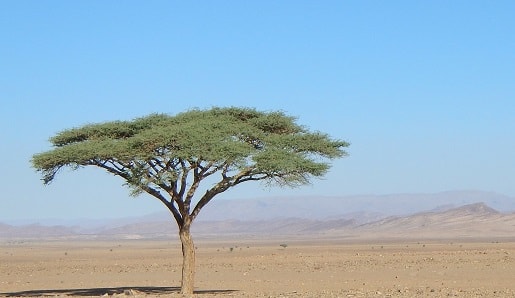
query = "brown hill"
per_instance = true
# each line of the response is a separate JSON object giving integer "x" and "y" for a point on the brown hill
{"x": 475, "y": 220}
{"x": 469, "y": 221}
{"x": 34, "y": 231}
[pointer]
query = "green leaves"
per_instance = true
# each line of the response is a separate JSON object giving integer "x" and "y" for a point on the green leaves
{"x": 173, "y": 153}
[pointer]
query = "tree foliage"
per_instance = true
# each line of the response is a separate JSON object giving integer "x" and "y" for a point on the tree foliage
{"x": 169, "y": 156}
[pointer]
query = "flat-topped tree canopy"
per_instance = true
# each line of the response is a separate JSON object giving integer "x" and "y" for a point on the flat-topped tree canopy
{"x": 163, "y": 152}
{"x": 169, "y": 156}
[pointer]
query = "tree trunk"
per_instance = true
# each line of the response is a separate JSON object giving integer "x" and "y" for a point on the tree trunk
{"x": 188, "y": 260}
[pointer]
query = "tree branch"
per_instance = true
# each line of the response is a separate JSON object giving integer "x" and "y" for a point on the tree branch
{"x": 169, "y": 204}
{"x": 153, "y": 166}
{"x": 223, "y": 185}
{"x": 116, "y": 170}
{"x": 194, "y": 186}
{"x": 218, "y": 188}
{"x": 184, "y": 178}
{"x": 113, "y": 169}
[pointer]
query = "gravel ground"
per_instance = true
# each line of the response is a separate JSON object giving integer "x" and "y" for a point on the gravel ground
{"x": 239, "y": 269}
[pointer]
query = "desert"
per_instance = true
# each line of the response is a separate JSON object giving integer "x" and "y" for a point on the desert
{"x": 466, "y": 251}
{"x": 261, "y": 268}
{"x": 257, "y": 149}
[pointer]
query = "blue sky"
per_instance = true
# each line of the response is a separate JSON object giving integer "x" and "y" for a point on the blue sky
{"x": 423, "y": 90}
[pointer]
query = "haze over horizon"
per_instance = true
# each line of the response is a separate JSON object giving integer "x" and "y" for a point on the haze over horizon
{"x": 362, "y": 207}
{"x": 423, "y": 91}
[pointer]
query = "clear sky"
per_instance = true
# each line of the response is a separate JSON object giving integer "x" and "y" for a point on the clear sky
{"x": 423, "y": 90}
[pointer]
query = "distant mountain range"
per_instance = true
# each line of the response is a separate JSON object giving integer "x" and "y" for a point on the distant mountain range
{"x": 444, "y": 215}
{"x": 337, "y": 207}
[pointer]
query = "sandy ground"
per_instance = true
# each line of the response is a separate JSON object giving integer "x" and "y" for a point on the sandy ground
{"x": 238, "y": 268}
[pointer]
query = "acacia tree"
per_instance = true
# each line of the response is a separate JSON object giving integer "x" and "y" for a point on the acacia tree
{"x": 169, "y": 157}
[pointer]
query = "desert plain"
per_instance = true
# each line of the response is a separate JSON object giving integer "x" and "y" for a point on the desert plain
{"x": 277, "y": 267}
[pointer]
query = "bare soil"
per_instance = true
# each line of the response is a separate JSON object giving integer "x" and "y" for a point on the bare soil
{"x": 254, "y": 268}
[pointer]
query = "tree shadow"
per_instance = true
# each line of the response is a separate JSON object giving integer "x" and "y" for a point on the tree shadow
{"x": 109, "y": 291}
